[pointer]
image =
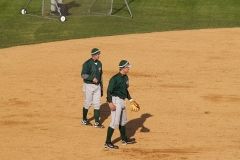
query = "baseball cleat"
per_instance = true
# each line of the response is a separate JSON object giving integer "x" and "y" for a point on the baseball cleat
{"x": 128, "y": 141}
{"x": 98, "y": 125}
{"x": 109, "y": 145}
{"x": 86, "y": 122}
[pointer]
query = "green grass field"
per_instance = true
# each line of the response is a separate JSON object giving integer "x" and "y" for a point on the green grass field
{"x": 149, "y": 16}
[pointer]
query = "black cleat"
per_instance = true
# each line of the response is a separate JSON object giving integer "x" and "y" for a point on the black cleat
{"x": 86, "y": 122}
{"x": 98, "y": 125}
{"x": 109, "y": 145}
{"x": 128, "y": 141}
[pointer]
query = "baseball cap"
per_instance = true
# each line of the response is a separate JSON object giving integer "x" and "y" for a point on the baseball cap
{"x": 95, "y": 51}
{"x": 123, "y": 64}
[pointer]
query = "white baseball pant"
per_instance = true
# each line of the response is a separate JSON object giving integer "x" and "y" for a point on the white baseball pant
{"x": 119, "y": 116}
{"x": 92, "y": 95}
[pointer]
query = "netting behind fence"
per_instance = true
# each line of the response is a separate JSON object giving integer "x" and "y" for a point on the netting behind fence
{"x": 77, "y": 7}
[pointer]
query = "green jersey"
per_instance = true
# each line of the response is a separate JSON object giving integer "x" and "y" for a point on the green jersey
{"x": 118, "y": 86}
{"x": 92, "y": 69}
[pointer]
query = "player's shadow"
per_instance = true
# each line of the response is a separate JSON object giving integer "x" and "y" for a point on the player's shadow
{"x": 133, "y": 125}
{"x": 104, "y": 113}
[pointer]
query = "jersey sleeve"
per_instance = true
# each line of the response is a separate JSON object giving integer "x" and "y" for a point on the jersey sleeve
{"x": 101, "y": 78}
{"x": 86, "y": 73}
{"x": 128, "y": 95}
{"x": 110, "y": 90}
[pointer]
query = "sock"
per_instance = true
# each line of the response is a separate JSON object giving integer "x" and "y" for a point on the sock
{"x": 109, "y": 134}
{"x": 85, "y": 111}
{"x": 96, "y": 115}
{"x": 122, "y": 130}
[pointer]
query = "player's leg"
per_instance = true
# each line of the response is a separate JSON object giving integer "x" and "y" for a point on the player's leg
{"x": 96, "y": 104}
{"x": 87, "y": 92}
{"x": 122, "y": 127}
{"x": 115, "y": 119}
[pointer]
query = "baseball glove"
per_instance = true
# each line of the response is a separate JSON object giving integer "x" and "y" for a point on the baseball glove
{"x": 134, "y": 105}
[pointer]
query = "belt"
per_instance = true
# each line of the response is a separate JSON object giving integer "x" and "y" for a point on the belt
{"x": 120, "y": 97}
{"x": 92, "y": 83}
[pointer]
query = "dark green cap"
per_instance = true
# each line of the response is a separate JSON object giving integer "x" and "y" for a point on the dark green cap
{"x": 123, "y": 64}
{"x": 95, "y": 51}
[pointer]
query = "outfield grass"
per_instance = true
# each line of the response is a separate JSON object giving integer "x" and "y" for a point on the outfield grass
{"x": 149, "y": 16}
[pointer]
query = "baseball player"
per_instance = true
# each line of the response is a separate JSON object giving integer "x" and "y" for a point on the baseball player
{"x": 92, "y": 87}
{"x": 117, "y": 92}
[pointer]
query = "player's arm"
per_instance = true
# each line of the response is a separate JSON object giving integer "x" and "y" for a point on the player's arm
{"x": 101, "y": 84}
{"x": 86, "y": 72}
{"x": 110, "y": 90}
{"x": 128, "y": 95}
{"x": 101, "y": 79}
{"x": 109, "y": 94}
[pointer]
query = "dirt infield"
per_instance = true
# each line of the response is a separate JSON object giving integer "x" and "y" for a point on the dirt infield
{"x": 187, "y": 82}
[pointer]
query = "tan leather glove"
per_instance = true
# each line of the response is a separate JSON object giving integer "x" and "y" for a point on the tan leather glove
{"x": 134, "y": 105}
